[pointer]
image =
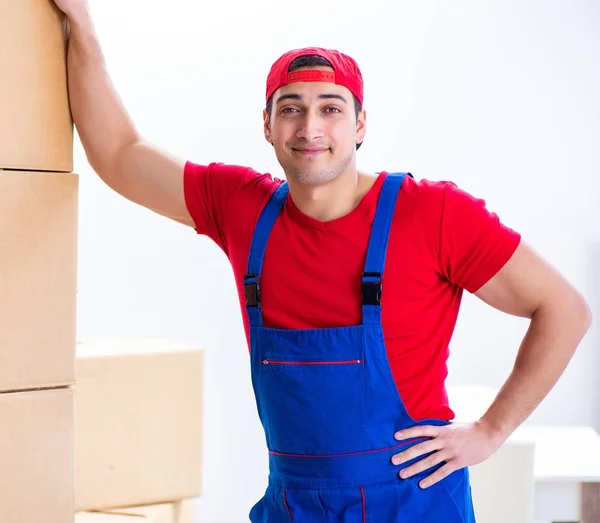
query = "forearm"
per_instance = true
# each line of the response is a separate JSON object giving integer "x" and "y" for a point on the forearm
{"x": 103, "y": 124}
{"x": 553, "y": 335}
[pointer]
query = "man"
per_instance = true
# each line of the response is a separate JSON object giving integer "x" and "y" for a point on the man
{"x": 350, "y": 285}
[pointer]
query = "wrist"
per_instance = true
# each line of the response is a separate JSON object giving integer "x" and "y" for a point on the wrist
{"x": 494, "y": 430}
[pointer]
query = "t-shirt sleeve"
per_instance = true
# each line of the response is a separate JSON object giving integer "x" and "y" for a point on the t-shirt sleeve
{"x": 211, "y": 192}
{"x": 474, "y": 243}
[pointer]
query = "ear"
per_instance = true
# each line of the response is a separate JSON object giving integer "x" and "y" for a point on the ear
{"x": 361, "y": 126}
{"x": 267, "y": 127}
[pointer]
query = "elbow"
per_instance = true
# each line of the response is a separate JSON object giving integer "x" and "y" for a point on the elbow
{"x": 581, "y": 315}
{"x": 588, "y": 316}
{"x": 569, "y": 310}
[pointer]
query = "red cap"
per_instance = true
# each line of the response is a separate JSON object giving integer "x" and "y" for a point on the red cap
{"x": 345, "y": 71}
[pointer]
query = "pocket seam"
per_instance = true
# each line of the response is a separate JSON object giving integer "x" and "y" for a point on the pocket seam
{"x": 449, "y": 494}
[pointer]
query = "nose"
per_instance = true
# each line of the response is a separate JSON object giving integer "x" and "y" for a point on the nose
{"x": 310, "y": 128}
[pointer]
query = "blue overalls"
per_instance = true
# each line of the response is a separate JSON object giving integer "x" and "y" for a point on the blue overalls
{"x": 330, "y": 407}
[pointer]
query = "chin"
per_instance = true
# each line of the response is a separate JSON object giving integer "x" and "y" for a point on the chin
{"x": 312, "y": 175}
{"x": 314, "y": 171}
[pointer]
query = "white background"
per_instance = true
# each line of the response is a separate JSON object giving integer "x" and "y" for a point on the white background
{"x": 502, "y": 98}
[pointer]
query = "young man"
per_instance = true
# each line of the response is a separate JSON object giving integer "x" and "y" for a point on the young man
{"x": 350, "y": 285}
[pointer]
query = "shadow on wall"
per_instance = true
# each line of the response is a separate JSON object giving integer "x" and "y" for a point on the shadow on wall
{"x": 593, "y": 297}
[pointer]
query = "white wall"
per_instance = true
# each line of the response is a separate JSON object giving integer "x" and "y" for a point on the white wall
{"x": 500, "y": 97}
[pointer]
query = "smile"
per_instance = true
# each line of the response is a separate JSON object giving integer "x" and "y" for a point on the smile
{"x": 310, "y": 152}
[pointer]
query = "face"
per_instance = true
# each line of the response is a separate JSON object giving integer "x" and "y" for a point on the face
{"x": 314, "y": 130}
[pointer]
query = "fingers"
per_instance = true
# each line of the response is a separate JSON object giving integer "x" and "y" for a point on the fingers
{"x": 430, "y": 461}
{"x": 417, "y": 450}
{"x": 438, "y": 475}
{"x": 437, "y": 449}
{"x": 428, "y": 431}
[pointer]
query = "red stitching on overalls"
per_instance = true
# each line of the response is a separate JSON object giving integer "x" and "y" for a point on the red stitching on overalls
{"x": 283, "y": 362}
{"x": 287, "y": 507}
{"x": 347, "y": 454}
{"x": 362, "y": 493}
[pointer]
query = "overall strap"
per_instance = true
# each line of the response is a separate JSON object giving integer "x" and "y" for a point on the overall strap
{"x": 371, "y": 285}
{"x": 260, "y": 238}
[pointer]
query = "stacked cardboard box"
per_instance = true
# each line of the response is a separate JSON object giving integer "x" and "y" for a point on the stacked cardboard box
{"x": 36, "y": 125}
{"x": 38, "y": 250}
{"x": 99, "y": 517}
{"x": 138, "y": 428}
{"x": 178, "y": 512}
{"x": 137, "y": 431}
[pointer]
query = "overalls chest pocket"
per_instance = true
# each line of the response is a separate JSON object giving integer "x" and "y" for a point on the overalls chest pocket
{"x": 313, "y": 384}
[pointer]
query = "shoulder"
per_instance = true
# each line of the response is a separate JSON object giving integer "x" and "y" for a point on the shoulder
{"x": 426, "y": 190}
{"x": 423, "y": 197}
{"x": 230, "y": 174}
{"x": 218, "y": 194}
{"x": 229, "y": 184}
{"x": 437, "y": 195}
{"x": 439, "y": 206}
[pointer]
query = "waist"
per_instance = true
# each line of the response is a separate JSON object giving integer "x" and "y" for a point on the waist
{"x": 346, "y": 470}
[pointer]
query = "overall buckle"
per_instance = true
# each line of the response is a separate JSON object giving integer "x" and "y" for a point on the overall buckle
{"x": 252, "y": 290}
{"x": 371, "y": 290}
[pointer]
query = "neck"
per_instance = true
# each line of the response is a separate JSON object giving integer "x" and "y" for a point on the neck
{"x": 334, "y": 199}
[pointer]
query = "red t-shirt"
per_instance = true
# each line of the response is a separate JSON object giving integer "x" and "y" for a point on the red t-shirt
{"x": 442, "y": 240}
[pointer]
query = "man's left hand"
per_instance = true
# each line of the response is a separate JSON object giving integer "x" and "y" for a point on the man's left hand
{"x": 458, "y": 445}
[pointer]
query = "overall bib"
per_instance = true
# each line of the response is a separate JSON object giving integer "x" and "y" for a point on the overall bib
{"x": 330, "y": 407}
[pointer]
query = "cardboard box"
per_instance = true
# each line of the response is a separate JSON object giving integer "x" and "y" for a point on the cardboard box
{"x": 138, "y": 423}
{"x": 36, "y": 128}
{"x": 36, "y": 457}
{"x": 503, "y": 485}
{"x": 103, "y": 517}
{"x": 38, "y": 279}
{"x": 177, "y": 512}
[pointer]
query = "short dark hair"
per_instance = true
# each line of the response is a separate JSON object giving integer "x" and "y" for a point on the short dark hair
{"x": 310, "y": 61}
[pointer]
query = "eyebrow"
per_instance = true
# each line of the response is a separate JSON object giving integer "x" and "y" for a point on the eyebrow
{"x": 293, "y": 96}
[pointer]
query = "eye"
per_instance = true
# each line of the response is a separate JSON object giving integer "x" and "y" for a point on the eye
{"x": 332, "y": 110}
{"x": 288, "y": 110}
